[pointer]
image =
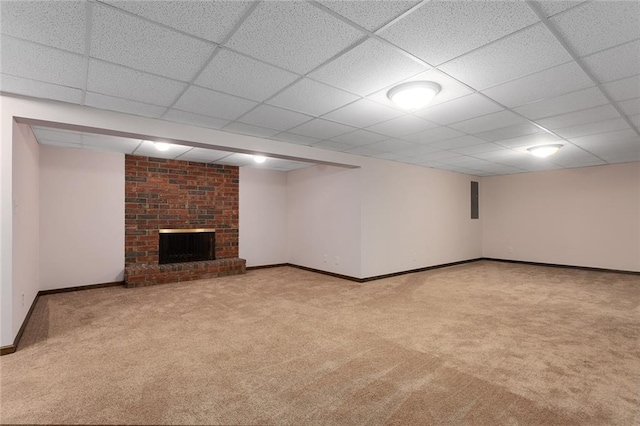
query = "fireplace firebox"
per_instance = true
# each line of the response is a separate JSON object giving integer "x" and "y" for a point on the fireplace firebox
{"x": 186, "y": 245}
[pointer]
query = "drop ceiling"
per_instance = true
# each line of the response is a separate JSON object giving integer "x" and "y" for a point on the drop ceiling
{"x": 514, "y": 74}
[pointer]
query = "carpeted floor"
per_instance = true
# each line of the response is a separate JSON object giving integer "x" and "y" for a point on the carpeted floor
{"x": 485, "y": 343}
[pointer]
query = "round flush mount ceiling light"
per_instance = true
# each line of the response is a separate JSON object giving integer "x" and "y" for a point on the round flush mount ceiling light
{"x": 259, "y": 159}
{"x": 162, "y": 146}
{"x": 413, "y": 95}
{"x": 544, "y": 151}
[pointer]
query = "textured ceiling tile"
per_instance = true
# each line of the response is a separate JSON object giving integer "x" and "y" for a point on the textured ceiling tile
{"x": 148, "y": 149}
{"x": 32, "y": 61}
{"x": 509, "y": 132}
{"x": 115, "y": 80}
{"x": 184, "y": 117}
{"x": 110, "y": 143}
{"x": 549, "y": 83}
{"x": 214, "y": 104}
{"x": 570, "y": 102}
{"x": 477, "y": 149}
{"x": 256, "y": 81}
{"x": 203, "y": 155}
{"x": 434, "y": 135}
{"x": 211, "y": 20}
{"x": 247, "y": 129}
{"x": 461, "y": 142}
{"x": 624, "y": 89}
{"x": 599, "y": 25}
{"x": 294, "y": 35}
{"x": 630, "y": 106}
{"x": 363, "y": 113}
{"x": 56, "y": 135}
{"x": 592, "y": 128}
{"x": 392, "y": 145}
{"x": 368, "y": 68}
{"x": 97, "y": 100}
{"x": 297, "y": 139}
{"x": 37, "y": 89}
{"x": 553, "y": 7}
{"x": 370, "y": 14}
{"x": 488, "y": 122}
{"x": 360, "y": 137}
{"x": 529, "y": 140}
{"x": 322, "y": 129}
{"x": 600, "y": 140}
{"x": 126, "y": 40}
{"x": 59, "y": 24}
{"x": 236, "y": 159}
{"x": 579, "y": 117}
{"x": 325, "y": 98}
{"x": 517, "y": 55}
{"x": 453, "y": 28}
{"x": 274, "y": 118}
{"x": 459, "y": 109}
{"x": 364, "y": 150}
{"x": 333, "y": 145}
{"x": 615, "y": 63}
{"x": 401, "y": 126}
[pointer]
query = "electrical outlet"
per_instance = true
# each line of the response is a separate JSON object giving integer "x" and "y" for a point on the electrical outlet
{"x": 509, "y": 249}
{"x": 326, "y": 259}
{"x": 337, "y": 259}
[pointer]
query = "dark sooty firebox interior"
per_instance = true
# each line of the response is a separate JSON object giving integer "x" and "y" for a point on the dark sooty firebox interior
{"x": 186, "y": 245}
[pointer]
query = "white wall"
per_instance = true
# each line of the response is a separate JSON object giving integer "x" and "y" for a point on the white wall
{"x": 323, "y": 218}
{"x": 26, "y": 157}
{"x": 81, "y": 217}
{"x": 263, "y": 216}
{"x": 414, "y": 217}
{"x": 583, "y": 217}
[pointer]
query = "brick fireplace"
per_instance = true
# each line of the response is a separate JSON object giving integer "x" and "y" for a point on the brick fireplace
{"x": 180, "y": 195}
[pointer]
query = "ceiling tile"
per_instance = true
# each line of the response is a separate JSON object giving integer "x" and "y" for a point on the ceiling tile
{"x": 203, "y": 155}
{"x": 624, "y": 89}
{"x": 56, "y": 135}
{"x": 477, "y": 149}
{"x": 256, "y": 81}
{"x": 635, "y": 119}
{"x": 529, "y": 140}
{"x": 209, "y": 20}
{"x": 488, "y": 122}
{"x": 274, "y": 118}
{"x": 370, "y": 14}
{"x": 434, "y": 135}
{"x": 363, "y": 113}
{"x": 599, "y": 25}
{"x": 110, "y": 143}
{"x": 630, "y": 106}
{"x": 293, "y": 35}
{"x": 248, "y": 129}
{"x": 126, "y": 40}
{"x": 32, "y": 61}
{"x": 459, "y": 109}
{"x": 450, "y": 88}
{"x": 148, "y": 149}
{"x": 322, "y": 129}
{"x": 236, "y": 159}
{"x": 54, "y": 23}
{"x": 297, "y": 139}
{"x": 401, "y": 126}
{"x": 453, "y": 28}
{"x": 325, "y": 98}
{"x": 363, "y": 150}
{"x": 590, "y": 115}
{"x": 392, "y": 145}
{"x": 570, "y": 102}
{"x": 615, "y": 63}
{"x": 600, "y": 141}
{"x": 502, "y": 156}
{"x": 38, "y": 89}
{"x": 592, "y": 128}
{"x": 184, "y": 117}
{"x": 111, "y": 103}
{"x": 368, "y": 68}
{"x": 573, "y": 156}
{"x": 360, "y": 137}
{"x": 461, "y": 142}
{"x": 517, "y": 55}
{"x": 549, "y": 83}
{"x": 440, "y": 156}
{"x": 391, "y": 156}
{"x": 115, "y": 80}
{"x": 510, "y": 132}
{"x": 215, "y": 104}
{"x": 333, "y": 145}
{"x": 552, "y": 7}
{"x": 60, "y": 144}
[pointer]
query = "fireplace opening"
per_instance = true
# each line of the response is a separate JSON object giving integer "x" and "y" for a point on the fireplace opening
{"x": 186, "y": 245}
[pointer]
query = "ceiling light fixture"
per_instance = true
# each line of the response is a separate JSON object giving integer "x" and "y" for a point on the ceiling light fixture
{"x": 544, "y": 151}
{"x": 413, "y": 95}
{"x": 162, "y": 146}
{"x": 259, "y": 159}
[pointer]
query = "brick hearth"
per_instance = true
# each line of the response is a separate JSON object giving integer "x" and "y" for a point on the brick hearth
{"x": 176, "y": 194}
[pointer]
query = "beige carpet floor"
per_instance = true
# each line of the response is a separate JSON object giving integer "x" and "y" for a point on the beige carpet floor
{"x": 485, "y": 343}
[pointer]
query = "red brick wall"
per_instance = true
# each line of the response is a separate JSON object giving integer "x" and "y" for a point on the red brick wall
{"x": 178, "y": 194}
